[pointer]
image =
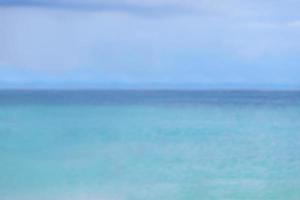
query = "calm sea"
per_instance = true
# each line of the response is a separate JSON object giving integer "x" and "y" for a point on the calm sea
{"x": 149, "y": 145}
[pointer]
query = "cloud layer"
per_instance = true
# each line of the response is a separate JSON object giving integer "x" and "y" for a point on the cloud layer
{"x": 177, "y": 42}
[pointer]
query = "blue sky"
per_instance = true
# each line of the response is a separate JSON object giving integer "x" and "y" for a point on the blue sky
{"x": 150, "y": 44}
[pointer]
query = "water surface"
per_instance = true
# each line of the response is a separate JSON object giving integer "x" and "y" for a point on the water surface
{"x": 149, "y": 145}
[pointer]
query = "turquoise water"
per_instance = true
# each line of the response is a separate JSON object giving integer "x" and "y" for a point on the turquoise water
{"x": 138, "y": 145}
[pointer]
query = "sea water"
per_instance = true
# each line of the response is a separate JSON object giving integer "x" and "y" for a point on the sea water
{"x": 149, "y": 145}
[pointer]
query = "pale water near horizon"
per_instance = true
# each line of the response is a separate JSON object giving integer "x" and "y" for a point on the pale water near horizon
{"x": 149, "y": 145}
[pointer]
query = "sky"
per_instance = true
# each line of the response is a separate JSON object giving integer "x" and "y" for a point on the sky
{"x": 192, "y": 44}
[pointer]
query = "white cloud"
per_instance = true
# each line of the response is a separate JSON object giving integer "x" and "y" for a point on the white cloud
{"x": 59, "y": 40}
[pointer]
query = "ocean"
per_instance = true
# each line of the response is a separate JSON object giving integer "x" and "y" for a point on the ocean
{"x": 149, "y": 145}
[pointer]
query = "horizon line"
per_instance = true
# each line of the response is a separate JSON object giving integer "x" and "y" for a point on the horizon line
{"x": 157, "y": 89}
